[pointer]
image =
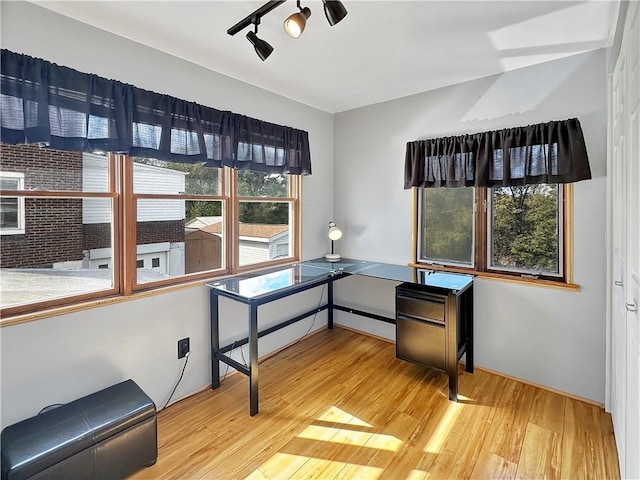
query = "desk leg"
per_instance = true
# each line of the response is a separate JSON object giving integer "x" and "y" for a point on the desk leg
{"x": 253, "y": 359}
{"x": 468, "y": 314}
{"x": 330, "y": 305}
{"x": 453, "y": 310}
{"x": 215, "y": 340}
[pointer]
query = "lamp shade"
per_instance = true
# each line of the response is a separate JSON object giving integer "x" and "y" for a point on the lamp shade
{"x": 334, "y": 10}
{"x": 263, "y": 49}
{"x": 295, "y": 23}
{"x": 334, "y": 232}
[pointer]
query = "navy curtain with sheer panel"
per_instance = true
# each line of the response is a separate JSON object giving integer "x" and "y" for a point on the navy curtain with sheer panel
{"x": 61, "y": 108}
{"x": 552, "y": 152}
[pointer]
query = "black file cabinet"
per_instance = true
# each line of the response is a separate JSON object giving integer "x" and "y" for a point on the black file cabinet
{"x": 434, "y": 328}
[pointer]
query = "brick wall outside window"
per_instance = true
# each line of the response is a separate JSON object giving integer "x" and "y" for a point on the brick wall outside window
{"x": 53, "y": 227}
{"x": 43, "y": 168}
{"x": 53, "y": 233}
{"x": 98, "y": 235}
{"x": 153, "y": 232}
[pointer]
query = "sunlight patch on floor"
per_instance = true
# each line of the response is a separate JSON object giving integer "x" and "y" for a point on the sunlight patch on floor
{"x": 285, "y": 465}
{"x": 351, "y": 437}
{"x": 434, "y": 445}
{"x": 336, "y": 415}
{"x": 380, "y": 441}
{"x": 416, "y": 475}
{"x": 316, "y": 432}
{"x": 256, "y": 475}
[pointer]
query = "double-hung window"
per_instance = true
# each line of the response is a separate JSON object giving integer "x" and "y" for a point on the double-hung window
{"x": 266, "y": 221}
{"x": 180, "y": 211}
{"x": 55, "y": 257}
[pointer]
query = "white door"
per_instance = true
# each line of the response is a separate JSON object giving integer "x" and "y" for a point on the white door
{"x": 624, "y": 168}
{"x": 632, "y": 300}
{"x": 618, "y": 184}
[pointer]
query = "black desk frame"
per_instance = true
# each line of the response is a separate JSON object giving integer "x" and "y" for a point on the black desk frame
{"x": 218, "y": 354}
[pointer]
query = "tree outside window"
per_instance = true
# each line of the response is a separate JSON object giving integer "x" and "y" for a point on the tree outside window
{"x": 521, "y": 227}
{"x": 525, "y": 228}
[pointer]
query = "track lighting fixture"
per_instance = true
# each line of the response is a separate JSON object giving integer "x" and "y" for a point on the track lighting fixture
{"x": 295, "y": 23}
{"x": 334, "y": 10}
{"x": 263, "y": 49}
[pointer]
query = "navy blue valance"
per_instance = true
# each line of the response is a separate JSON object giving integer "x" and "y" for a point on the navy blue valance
{"x": 61, "y": 108}
{"x": 551, "y": 152}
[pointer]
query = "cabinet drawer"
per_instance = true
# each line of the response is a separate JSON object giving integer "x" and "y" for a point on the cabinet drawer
{"x": 420, "y": 342}
{"x": 428, "y": 307}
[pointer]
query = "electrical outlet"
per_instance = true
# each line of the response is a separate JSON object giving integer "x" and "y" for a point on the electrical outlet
{"x": 183, "y": 347}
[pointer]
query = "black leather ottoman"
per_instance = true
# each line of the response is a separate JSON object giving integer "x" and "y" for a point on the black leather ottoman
{"x": 109, "y": 434}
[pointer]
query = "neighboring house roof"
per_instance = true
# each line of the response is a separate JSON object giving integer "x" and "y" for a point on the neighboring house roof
{"x": 254, "y": 230}
{"x": 200, "y": 222}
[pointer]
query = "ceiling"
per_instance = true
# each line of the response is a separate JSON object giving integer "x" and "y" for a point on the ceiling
{"x": 382, "y": 50}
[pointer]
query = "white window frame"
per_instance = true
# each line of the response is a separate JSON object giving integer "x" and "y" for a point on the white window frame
{"x": 20, "y": 229}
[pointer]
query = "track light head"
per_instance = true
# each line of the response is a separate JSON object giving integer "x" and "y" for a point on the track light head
{"x": 334, "y": 10}
{"x": 295, "y": 23}
{"x": 263, "y": 49}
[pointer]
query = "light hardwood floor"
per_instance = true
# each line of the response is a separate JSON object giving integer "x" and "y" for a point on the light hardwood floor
{"x": 339, "y": 405}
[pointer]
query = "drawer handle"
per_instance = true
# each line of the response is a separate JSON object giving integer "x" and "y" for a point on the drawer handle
{"x": 631, "y": 307}
{"x": 618, "y": 283}
{"x": 428, "y": 321}
{"x": 423, "y": 298}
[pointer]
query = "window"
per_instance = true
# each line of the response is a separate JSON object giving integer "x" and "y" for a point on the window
{"x": 525, "y": 233}
{"x": 515, "y": 231}
{"x": 11, "y": 208}
{"x": 447, "y": 226}
{"x": 102, "y": 225}
{"x": 265, "y": 210}
{"x": 61, "y": 248}
{"x": 180, "y": 227}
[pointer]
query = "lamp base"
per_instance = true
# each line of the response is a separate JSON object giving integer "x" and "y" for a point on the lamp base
{"x": 332, "y": 257}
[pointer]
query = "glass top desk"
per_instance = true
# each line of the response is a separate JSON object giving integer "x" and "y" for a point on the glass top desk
{"x": 256, "y": 289}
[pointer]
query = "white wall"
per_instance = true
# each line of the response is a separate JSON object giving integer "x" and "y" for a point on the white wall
{"x": 546, "y": 336}
{"x": 64, "y": 357}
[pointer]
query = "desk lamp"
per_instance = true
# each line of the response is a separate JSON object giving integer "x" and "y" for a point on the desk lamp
{"x": 334, "y": 234}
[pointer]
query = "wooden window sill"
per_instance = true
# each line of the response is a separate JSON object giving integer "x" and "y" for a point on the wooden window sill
{"x": 536, "y": 282}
